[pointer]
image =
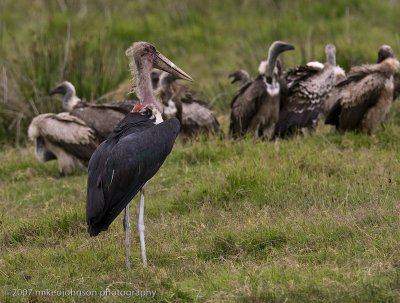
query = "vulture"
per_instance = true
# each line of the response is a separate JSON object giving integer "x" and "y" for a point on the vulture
{"x": 172, "y": 107}
{"x": 63, "y": 137}
{"x": 102, "y": 118}
{"x": 240, "y": 76}
{"x": 255, "y": 108}
{"x": 384, "y": 52}
{"x": 308, "y": 87}
{"x": 178, "y": 101}
{"x": 133, "y": 153}
{"x": 366, "y": 95}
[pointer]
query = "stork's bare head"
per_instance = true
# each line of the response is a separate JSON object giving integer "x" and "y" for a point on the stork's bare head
{"x": 144, "y": 53}
{"x": 384, "y": 52}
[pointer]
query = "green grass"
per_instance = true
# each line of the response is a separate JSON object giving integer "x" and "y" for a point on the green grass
{"x": 312, "y": 219}
{"x": 84, "y": 42}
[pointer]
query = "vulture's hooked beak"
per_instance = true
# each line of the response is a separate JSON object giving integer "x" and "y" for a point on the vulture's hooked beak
{"x": 288, "y": 47}
{"x": 57, "y": 90}
{"x": 234, "y": 77}
{"x": 163, "y": 63}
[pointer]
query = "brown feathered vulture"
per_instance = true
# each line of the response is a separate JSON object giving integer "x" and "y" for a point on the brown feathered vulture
{"x": 255, "y": 108}
{"x": 308, "y": 87}
{"x": 384, "y": 52}
{"x": 134, "y": 152}
{"x": 240, "y": 76}
{"x": 63, "y": 137}
{"x": 365, "y": 96}
{"x": 102, "y": 118}
{"x": 179, "y": 101}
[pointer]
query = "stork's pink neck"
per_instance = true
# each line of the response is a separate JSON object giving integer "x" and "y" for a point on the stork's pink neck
{"x": 144, "y": 86}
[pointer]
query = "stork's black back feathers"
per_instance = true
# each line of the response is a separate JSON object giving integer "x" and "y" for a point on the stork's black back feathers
{"x": 123, "y": 164}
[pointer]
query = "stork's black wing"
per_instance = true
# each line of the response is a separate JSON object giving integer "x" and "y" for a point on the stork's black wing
{"x": 125, "y": 168}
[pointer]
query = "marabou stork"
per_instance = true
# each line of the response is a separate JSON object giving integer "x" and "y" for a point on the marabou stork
{"x": 256, "y": 107}
{"x": 133, "y": 153}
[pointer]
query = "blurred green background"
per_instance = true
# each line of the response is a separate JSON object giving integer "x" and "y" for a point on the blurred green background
{"x": 83, "y": 41}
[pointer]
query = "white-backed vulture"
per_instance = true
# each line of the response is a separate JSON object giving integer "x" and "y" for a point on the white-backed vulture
{"x": 255, "y": 108}
{"x": 102, "y": 118}
{"x": 308, "y": 88}
{"x": 365, "y": 96}
{"x": 63, "y": 137}
{"x": 178, "y": 101}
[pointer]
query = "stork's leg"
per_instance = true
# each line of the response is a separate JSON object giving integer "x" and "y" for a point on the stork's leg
{"x": 141, "y": 227}
{"x": 127, "y": 228}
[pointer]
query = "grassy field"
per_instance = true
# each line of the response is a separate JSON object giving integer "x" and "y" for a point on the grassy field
{"x": 305, "y": 220}
{"x": 313, "y": 219}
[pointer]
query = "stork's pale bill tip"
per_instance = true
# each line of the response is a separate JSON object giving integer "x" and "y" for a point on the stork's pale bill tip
{"x": 163, "y": 63}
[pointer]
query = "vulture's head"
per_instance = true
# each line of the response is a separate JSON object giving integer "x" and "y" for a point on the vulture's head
{"x": 241, "y": 76}
{"x": 384, "y": 52}
{"x": 155, "y": 78}
{"x": 63, "y": 88}
{"x": 330, "y": 53}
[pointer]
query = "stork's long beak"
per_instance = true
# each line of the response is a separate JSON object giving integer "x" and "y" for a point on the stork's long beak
{"x": 163, "y": 63}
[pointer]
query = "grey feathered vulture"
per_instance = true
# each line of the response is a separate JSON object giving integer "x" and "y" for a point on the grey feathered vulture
{"x": 179, "y": 101}
{"x": 102, "y": 118}
{"x": 134, "y": 152}
{"x": 365, "y": 96}
{"x": 255, "y": 108}
{"x": 63, "y": 137}
{"x": 308, "y": 87}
